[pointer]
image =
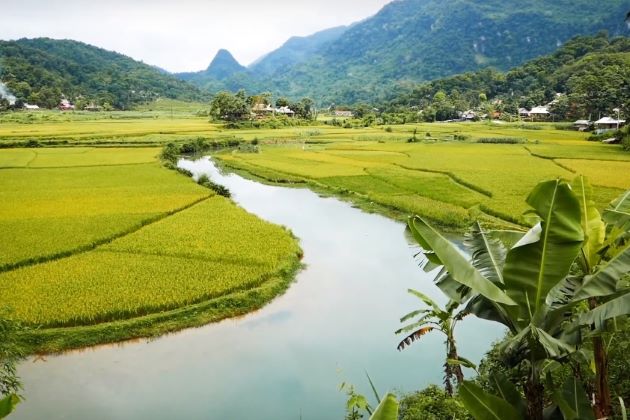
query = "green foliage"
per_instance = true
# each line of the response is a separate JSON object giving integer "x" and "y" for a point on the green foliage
{"x": 10, "y": 354}
{"x": 417, "y": 40}
{"x": 219, "y": 189}
{"x": 8, "y": 404}
{"x": 41, "y": 71}
{"x": 535, "y": 274}
{"x": 590, "y": 72}
{"x": 432, "y": 403}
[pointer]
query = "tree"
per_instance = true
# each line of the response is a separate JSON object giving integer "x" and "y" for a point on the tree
{"x": 529, "y": 289}
{"x": 431, "y": 318}
{"x": 280, "y": 102}
{"x": 229, "y": 107}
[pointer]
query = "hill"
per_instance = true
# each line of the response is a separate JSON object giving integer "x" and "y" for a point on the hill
{"x": 42, "y": 71}
{"x": 591, "y": 72}
{"x": 411, "y": 41}
{"x": 296, "y": 50}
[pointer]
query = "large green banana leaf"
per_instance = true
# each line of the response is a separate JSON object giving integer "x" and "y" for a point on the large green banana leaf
{"x": 545, "y": 254}
{"x": 592, "y": 223}
{"x": 485, "y": 406}
{"x": 457, "y": 265}
{"x": 612, "y": 309}
{"x": 387, "y": 409}
{"x": 573, "y": 401}
{"x": 604, "y": 281}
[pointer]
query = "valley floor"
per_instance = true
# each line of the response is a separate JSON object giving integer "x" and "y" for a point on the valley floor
{"x": 102, "y": 243}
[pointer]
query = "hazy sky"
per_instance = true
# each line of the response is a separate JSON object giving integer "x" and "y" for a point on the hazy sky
{"x": 179, "y": 35}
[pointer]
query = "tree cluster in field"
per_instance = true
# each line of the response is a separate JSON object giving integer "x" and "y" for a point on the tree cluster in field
{"x": 44, "y": 71}
{"x": 587, "y": 78}
{"x": 234, "y": 108}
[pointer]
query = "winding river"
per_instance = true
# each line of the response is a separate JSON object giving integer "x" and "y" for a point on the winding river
{"x": 285, "y": 361}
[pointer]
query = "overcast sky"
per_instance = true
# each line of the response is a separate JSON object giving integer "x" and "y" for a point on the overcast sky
{"x": 180, "y": 35}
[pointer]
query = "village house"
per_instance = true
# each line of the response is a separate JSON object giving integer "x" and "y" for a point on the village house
{"x": 523, "y": 113}
{"x": 344, "y": 114}
{"x": 262, "y": 110}
{"x": 65, "y": 105}
{"x": 582, "y": 125}
{"x": 469, "y": 115}
{"x": 285, "y": 110}
{"x": 539, "y": 113}
{"x": 607, "y": 124}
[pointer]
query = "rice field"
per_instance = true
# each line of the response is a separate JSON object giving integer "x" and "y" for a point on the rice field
{"x": 207, "y": 251}
{"x": 97, "y": 237}
{"x": 100, "y": 236}
{"x": 451, "y": 182}
{"x": 47, "y": 211}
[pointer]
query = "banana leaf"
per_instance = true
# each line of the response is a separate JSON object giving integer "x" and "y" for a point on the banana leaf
{"x": 573, "y": 401}
{"x": 604, "y": 281}
{"x": 457, "y": 265}
{"x": 485, "y": 406}
{"x": 543, "y": 257}
{"x": 387, "y": 409}
{"x": 592, "y": 224}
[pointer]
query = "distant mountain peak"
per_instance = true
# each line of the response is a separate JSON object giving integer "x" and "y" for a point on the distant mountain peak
{"x": 224, "y": 65}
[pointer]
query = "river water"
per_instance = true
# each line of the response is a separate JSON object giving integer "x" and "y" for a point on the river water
{"x": 285, "y": 361}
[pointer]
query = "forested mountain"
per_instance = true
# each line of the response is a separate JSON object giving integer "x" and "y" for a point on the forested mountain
{"x": 411, "y": 41}
{"x": 41, "y": 71}
{"x": 592, "y": 74}
{"x": 225, "y": 73}
{"x": 296, "y": 50}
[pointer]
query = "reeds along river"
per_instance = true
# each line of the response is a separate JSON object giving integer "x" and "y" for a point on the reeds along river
{"x": 286, "y": 361}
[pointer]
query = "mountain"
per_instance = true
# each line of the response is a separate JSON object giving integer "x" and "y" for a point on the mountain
{"x": 592, "y": 74}
{"x": 42, "y": 71}
{"x": 223, "y": 73}
{"x": 296, "y": 50}
{"x": 411, "y": 41}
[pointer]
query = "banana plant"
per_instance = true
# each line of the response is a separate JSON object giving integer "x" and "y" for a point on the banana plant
{"x": 604, "y": 261}
{"x": 433, "y": 318}
{"x": 527, "y": 288}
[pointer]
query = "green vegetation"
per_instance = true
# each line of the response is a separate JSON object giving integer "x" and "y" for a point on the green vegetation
{"x": 414, "y": 41}
{"x": 450, "y": 182}
{"x": 563, "y": 284}
{"x": 42, "y": 71}
{"x": 589, "y": 71}
{"x": 108, "y": 245}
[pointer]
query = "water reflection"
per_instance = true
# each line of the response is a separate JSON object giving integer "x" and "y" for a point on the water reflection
{"x": 285, "y": 361}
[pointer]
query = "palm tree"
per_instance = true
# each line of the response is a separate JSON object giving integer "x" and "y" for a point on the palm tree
{"x": 529, "y": 289}
{"x": 434, "y": 318}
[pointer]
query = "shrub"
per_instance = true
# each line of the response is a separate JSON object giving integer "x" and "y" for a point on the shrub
{"x": 219, "y": 189}
{"x": 432, "y": 403}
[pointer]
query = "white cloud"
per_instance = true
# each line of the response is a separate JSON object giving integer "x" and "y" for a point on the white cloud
{"x": 180, "y": 35}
